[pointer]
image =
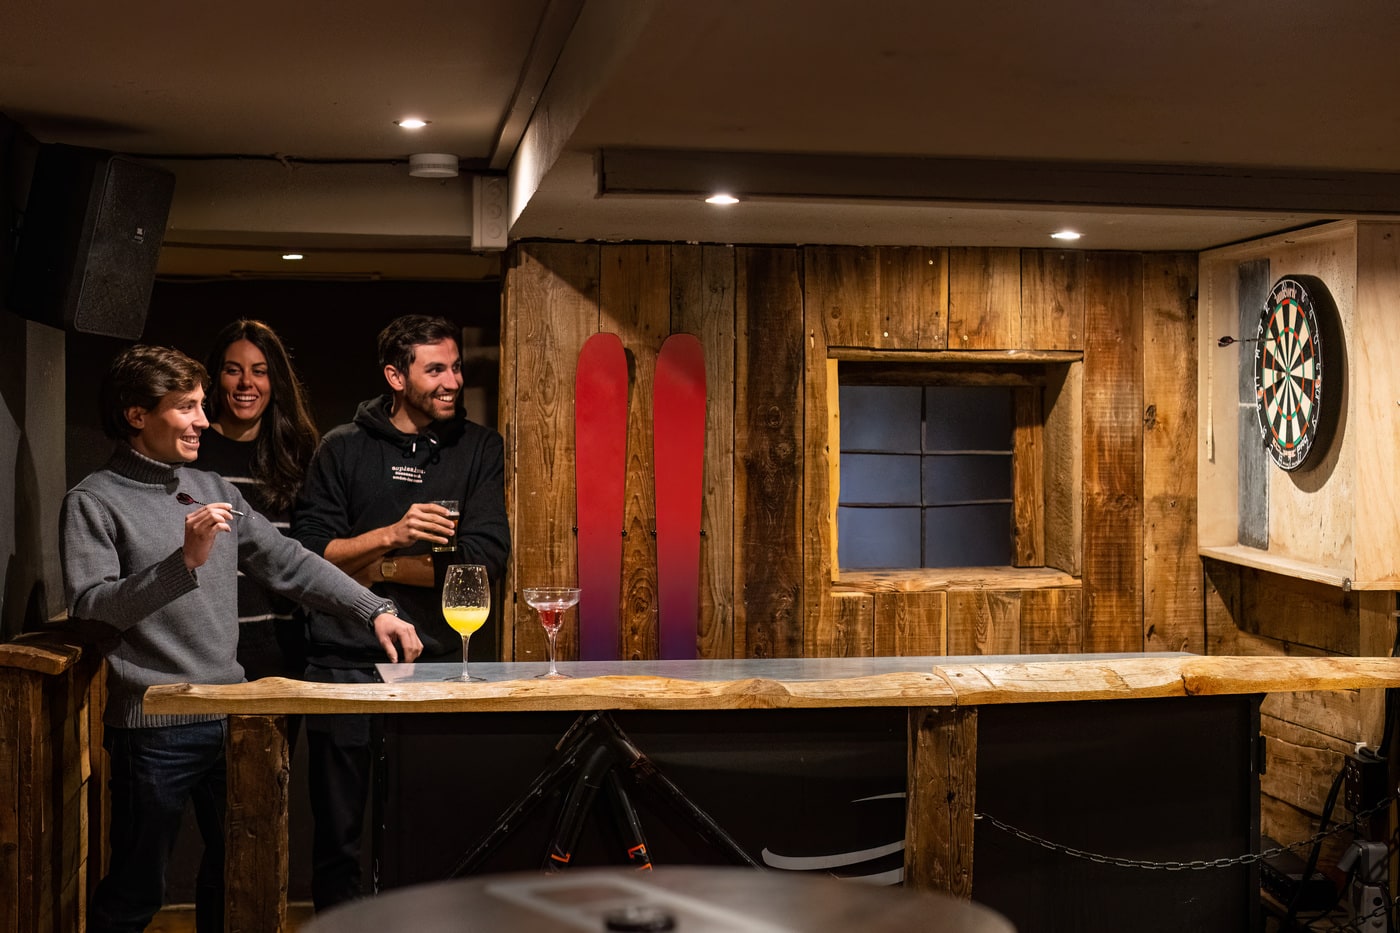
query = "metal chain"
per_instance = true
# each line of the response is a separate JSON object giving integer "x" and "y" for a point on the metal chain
{"x": 1192, "y": 865}
{"x": 1358, "y": 925}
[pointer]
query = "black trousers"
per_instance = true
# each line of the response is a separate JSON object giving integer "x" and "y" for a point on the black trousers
{"x": 340, "y": 757}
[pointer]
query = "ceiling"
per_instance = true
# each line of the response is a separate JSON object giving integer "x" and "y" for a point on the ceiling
{"x": 1182, "y": 125}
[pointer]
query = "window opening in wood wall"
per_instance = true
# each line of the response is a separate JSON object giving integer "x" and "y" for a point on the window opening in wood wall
{"x": 973, "y": 460}
{"x": 926, "y": 476}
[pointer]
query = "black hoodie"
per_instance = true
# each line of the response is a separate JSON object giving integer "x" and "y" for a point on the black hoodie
{"x": 365, "y": 475}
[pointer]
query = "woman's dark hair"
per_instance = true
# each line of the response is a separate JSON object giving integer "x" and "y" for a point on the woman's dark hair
{"x": 139, "y": 377}
{"x": 396, "y": 342}
{"x": 287, "y": 437}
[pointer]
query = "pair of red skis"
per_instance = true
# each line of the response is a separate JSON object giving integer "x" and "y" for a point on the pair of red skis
{"x": 600, "y": 436}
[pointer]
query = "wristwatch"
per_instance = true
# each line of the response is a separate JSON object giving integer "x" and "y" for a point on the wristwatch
{"x": 386, "y": 608}
{"x": 388, "y": 568}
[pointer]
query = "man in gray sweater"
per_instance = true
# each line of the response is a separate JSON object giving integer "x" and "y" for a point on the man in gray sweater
{"x": 154, "y": 551}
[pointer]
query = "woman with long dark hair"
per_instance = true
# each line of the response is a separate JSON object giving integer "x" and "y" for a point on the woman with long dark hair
{"x": 262, "y": 440}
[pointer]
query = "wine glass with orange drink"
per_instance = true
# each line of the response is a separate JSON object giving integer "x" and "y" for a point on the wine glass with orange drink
{"x": 466, "y": 601}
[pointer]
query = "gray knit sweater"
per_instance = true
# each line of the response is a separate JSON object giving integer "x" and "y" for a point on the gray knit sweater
{"x": 122, "y": 533}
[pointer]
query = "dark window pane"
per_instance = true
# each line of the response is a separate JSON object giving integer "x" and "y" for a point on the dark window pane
{"x": 880, "y": 417}
{"x": 868, "y": 538}
{"x": 873, "y": 478}
{"x": 968, "y": 418}
{"x": 902, "y": 420}
{"x": 962, "y": 478}
{"x": 967, "y": 536}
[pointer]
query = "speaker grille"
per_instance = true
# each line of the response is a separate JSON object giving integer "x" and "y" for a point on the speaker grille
{"x": 92, "y": 232}
{"x": 115, "y": 289}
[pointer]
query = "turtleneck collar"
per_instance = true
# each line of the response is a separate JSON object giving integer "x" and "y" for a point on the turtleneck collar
{"x": 128, "y": 462}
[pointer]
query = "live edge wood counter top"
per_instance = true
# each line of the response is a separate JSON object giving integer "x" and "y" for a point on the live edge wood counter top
{"x": 790, "y": 683}
{"x": 941, "y": 694}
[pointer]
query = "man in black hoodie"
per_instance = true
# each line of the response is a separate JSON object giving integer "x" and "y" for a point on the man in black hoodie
{"x": 368, "y": 507}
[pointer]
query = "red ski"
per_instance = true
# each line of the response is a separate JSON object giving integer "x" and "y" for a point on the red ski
{"x": 600, "y": 439}
{"x": 679, "y": 439}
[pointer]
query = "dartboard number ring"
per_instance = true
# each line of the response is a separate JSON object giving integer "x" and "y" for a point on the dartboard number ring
{"x": 1291, "y": 374}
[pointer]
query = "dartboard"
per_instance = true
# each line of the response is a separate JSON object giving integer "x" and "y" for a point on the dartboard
{"x": 1289, "y": 368}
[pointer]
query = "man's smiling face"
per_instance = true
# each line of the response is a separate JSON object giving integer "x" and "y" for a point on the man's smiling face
{"x": 170, "y": 431}
{"x": 430, "y": 388}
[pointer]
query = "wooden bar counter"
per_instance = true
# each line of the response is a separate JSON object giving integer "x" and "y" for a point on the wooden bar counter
{"x": 941, "y": 696}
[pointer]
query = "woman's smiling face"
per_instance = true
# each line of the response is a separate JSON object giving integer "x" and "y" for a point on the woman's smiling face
{"x": 244, "y": 387}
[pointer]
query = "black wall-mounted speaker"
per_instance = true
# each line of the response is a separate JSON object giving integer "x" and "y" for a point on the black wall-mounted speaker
{"x": 92, "y": 230}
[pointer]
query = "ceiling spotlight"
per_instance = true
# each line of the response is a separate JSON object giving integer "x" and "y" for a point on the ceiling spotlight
{"x": 411, "y": 123}
{"x": 292, "y": 256}
{"x": 721, "y": 199}
{"x": 432, "y": 165}
{"x": 1065, "y": 235}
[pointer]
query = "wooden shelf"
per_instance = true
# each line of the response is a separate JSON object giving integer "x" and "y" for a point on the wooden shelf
{"x": 951, "y": 578}
{"x": 1302, "y": 570}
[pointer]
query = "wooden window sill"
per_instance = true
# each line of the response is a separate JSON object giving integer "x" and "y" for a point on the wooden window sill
{"x": 952, "y": 578}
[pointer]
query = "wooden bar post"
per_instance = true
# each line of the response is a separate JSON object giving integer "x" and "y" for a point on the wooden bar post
{"x": 941, "y": 800}
{"x": 26, "y": 808}
{"x": 256, "y": 861}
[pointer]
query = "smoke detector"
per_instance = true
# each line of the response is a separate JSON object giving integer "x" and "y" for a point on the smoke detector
{"x": 432, "y": 165}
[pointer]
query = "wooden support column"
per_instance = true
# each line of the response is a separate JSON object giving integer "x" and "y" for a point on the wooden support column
{"x": 46, "y": 780}
{"x": 26, "y": 809}
{"x": 257, "y": 861}
{"x": 941, "y": 800}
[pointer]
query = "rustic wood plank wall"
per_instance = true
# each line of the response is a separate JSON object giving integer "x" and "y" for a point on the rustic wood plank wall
{"x": 835, "y": 282}
{"x": 1172, "y": 578}
{"x": 702, "y": 303}
{"x": 985, "y": 622}
{"x": 634, "y": 303}
{"x": 1052, "y": 299}
{"x": 1113, "y": 472}
{"x": 984, "y": 300}
{"x": 559, "y": 283}
{"x": 1370, "y": 402}
{"x": 768, "y": 455}
{"x": 1308, "y": 734}
{"x": 1052, "y": 621}
{"x": 1063, "y": 432}
{"x": 1115, "y": 518}
{"x": 1028, "y": 478}
{"x": 911, "y": 624}
{"x": 845, "y": 627}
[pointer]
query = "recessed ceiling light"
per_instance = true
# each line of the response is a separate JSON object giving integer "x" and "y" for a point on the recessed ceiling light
{"x": 1065, "y": 235}
{"x": 292, "y": 256}
{"x": 411, "y": 123}
{"x": 721, "y": 199}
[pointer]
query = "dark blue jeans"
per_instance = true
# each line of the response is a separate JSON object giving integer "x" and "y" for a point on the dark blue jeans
{"x": 154, "y": 772}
